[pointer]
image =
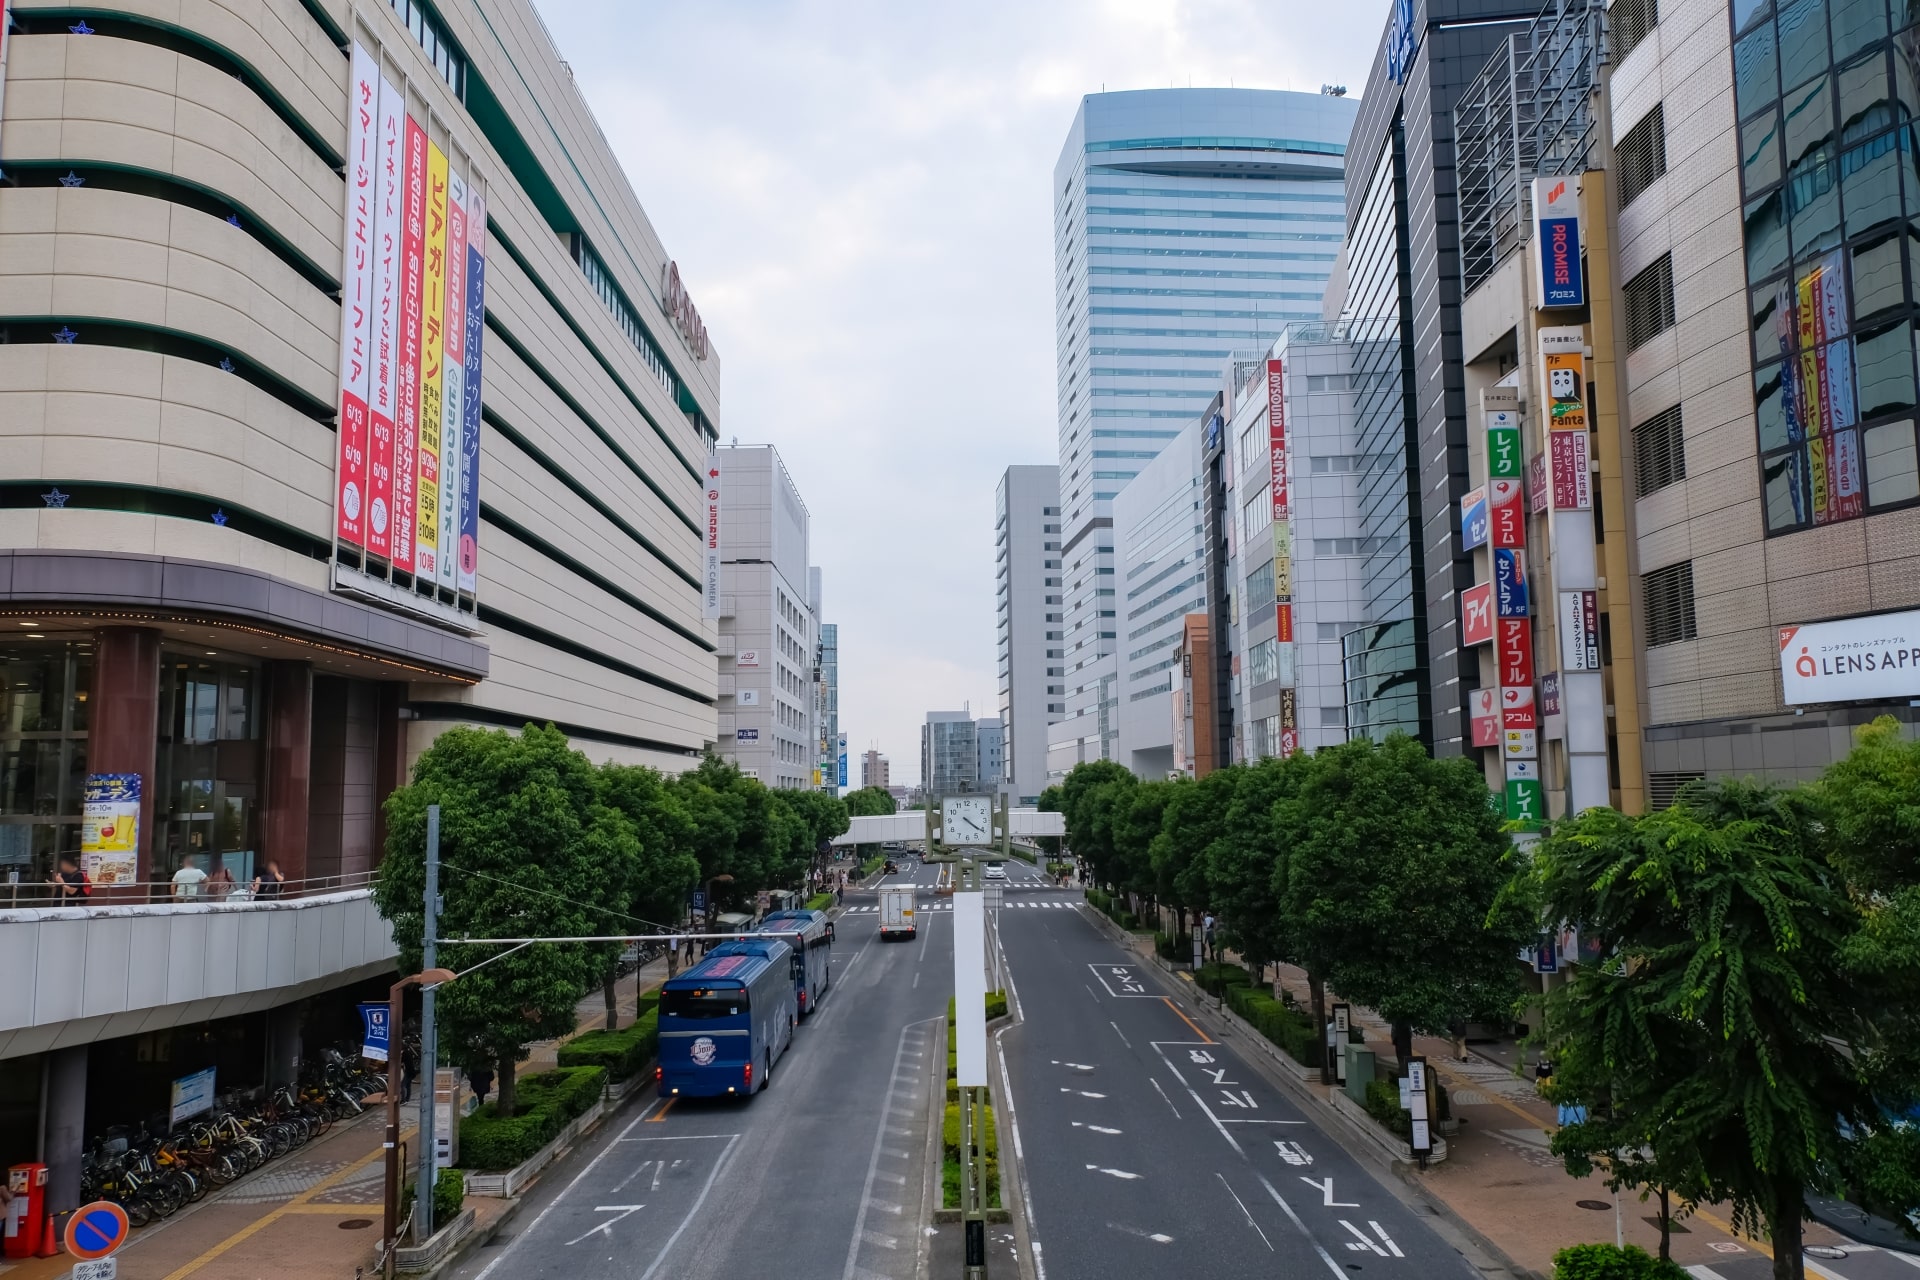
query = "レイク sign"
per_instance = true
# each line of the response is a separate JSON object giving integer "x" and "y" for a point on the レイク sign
{"x": 1851, "y": 661}
{"x": 1556, "y": 215}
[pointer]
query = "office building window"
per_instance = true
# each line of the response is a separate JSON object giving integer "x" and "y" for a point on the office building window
{"x": 615, "y": 300}
{"x": 1649, "y": 302}
{"x": 1669, "y": 603}
{"x": 434, "y": 41}
{"x": 1659, "y": 452}
{"x": 1631, "y": 21}
{"x": 1641, "y": 155}
{"x": 43, "y": 752}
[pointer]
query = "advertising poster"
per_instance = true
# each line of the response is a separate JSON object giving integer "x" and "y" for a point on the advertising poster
{"x": 406, "y": 425}
{"x": 433, "y": 345}
{"x": 470, "y": 393}
{"x": 1513, "y": 652}
{"x": 1853, "y": 660}
{"x": 1566, "y": 381}
{"x": 1473, "y": 519}
{"x": 1484, "y": 706}
{"x": 746, "y": 735}
{"x": 191, "y": 1096}
{"x": 356, "y": 298}
{"x": 1556, "y": 216}
{"x": 1508, "y": 526}
{"x": 453, "y": 376}
{"x": 1550, "y": 694}
{"x": 1844, "y": 474}
{"x": 385, "y": 385}
{"x": 110, "y": 828}
{"x": 1509, "y": 584}
{"x": 375, "y": 1037}
{"x": 710, "y": 579}
{"x": 747, "y": 658}
{"x": 1289, "y": 723}
{"x": 1572, "y": 470}
{"x": 1580, "y": 630}
{"x": 1476, "y": 615}
{"x": 1517, "y": 708}
{"x": 1503, "y": 450}
{"x": 1525, "y": 801}
{"x": 1283, "y": 619}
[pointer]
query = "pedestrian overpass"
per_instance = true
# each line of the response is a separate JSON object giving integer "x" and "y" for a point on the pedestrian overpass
{"x": 911, "y": 826}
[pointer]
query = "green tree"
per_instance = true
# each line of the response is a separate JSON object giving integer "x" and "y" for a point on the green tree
{"x": 1193, "y": 820}
{"x": 1245, "y": 869}
{"x": 737, "y": 831}
{"x": 869, "y": 802}
{"x": 663, "y": 869}
{"x": 1730, "y": 935}
{"x": 1391, "y": 886}
{"x": 526, "y": 847}
{"x": 1136, "y": 822}
{"x": 1050, "y": 801}
{"x": 1074, "y": 791}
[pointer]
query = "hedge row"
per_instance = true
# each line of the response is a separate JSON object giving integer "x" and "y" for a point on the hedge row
{"x": 820, "y": 902}
{"x": 1286, "y": 1026}
{"x": 548, "y": 1101}
{"x": 950, "y": 1145}
{"x": 623, "y": 1054}
{"x": 1611, "y": 1262}
{"x": 1104, "y": 902}
{"x": 1174, "y": 946}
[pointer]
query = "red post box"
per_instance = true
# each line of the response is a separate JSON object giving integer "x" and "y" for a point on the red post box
{"x": 27, "y": 1210}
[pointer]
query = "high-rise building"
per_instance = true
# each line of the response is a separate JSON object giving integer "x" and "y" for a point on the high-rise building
{"x": 1027, "y": 595}
{"x": 950, "y": 754}
{"x": 832, "y": 741}
{"x": 281, "y": 502}
{"x": 768, "y": 689}
{"x": 1401, "y": 299}
{"x": 876, "y": 770}
{"x": 990, "y": 754}
{"x": 1159, "y": 536}
{"x": 1188, "y": 223}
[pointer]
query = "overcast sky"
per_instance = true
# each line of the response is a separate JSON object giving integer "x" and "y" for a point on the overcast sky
{"x": 857, "y": 194}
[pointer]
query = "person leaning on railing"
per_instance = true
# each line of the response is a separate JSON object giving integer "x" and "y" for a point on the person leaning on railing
{"x": 269, "y": 883}
{"x": 73, "y": 887}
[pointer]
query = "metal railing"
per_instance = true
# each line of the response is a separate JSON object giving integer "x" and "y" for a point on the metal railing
{"x": 206, "y": 893}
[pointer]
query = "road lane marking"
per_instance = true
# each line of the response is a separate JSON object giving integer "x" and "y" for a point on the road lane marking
{"x": 873, "y": 1161}
{"x": 1082, "y": 1092}
{"x": 564, "y": 1193}
{"x": 1302, "y": 1228}
{"x": 1117, "y": 1031}
{"x": 621, "y": 1211}
{"x": 1156, "y": 1236}
{"x": 1293, "y": 1153}
{"x": 1163, "y": 1097}
{"x": 1360, "y": 1243}
{"x": 1094, "y": 1127}
{"x": 1120, "y": 1173}
{"x": 699, "y": 1200}
{"x": 1326, "y": 1194}
{"x": 1243, "y": 1208}
{"x": 1204, "y": 1037}
{"x": 1385, "y": 1238}
{"x": 661, "y": 1114}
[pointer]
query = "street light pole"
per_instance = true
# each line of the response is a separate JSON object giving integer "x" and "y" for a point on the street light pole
{"x": 396, "y": 998}
{"x": 429, "y": 1039}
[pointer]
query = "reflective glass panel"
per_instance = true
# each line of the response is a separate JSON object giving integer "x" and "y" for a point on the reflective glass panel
{"x": 1877, "y": 279}
{"x": 1766, "y": 235}
{"x": 1770, "y": 409}
{"x": 1816, "y": 207}
{"x": 1893, "y": 469}
{"x": 1756, "y": 70}
{"x": 1884, "y": 370}
{"x": 1866, "y": 102}
{"x": 1760, "y": 151}
{"x": 1870, "y": 183}
{"x": 1803, "y": 40}
{"x": 1856, "y": 24}
{"x": 1782, "y": 479}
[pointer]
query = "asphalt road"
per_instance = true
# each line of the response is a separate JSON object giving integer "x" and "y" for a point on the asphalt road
{"x": 1151, "y": 1150}
{"x": 821, "y": 1175}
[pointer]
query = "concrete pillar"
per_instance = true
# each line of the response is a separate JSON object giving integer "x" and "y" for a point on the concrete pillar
{"x": 283, "y": 1044}
{"x": 123, "y": 720}
{"x": 289, "y": 742}
{"x": 66, "y": 1125}
{"x": 390, "y": 757}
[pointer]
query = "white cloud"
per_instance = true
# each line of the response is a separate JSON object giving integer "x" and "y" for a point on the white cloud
{"x": 858, "y": 196}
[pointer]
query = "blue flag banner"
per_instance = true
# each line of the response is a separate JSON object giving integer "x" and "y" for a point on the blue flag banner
{"x": 374, "y": 1043}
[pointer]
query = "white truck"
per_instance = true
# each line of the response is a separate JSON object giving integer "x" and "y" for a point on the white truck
{"x": 896, "y": 911}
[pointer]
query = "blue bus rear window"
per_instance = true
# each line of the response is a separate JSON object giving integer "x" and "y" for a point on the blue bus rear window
{"x": 702, "y": 1002}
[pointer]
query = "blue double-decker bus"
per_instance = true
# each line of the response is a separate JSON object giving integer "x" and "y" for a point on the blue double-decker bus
{"x": 811, "y": 935}
{"x": 727, "y": 1020}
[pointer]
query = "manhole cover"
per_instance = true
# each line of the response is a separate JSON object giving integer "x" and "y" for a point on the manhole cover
{"x": 1594, "y": 1204}
{"x": 356, "y": 1224}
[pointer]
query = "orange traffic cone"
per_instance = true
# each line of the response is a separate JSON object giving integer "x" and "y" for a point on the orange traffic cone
{"x": 49, "y": 1242}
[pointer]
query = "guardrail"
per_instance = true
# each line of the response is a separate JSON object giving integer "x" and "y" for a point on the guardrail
{"x": 205, "y": 893}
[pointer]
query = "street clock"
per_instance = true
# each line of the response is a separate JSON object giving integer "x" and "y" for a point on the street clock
{"x": 966, "y": 820}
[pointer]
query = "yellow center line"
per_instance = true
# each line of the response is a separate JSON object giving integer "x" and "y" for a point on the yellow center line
{"x": 302, "y": 1203}
{"x": 1184, "y": 1018}
{"x": 661, "y": 1114}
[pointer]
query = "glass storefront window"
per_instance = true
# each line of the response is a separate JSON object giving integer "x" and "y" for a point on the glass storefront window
{"x": 209, "y": 762}
{"x": 43, "y": 753}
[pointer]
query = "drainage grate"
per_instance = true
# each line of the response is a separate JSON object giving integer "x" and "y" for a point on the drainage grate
{"x": 1595, "y": 1205}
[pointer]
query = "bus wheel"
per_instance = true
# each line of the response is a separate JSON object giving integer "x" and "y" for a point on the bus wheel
{"x": 766, "y": 1077}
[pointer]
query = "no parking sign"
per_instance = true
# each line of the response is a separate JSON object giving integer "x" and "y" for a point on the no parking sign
{"x": 93, "y": 1232}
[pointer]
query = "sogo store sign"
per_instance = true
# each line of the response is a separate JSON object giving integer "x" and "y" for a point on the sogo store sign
{"x": 1851, "y": 661}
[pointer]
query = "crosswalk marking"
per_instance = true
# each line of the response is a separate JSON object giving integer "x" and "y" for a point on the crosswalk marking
{"x": 948, "y": 906}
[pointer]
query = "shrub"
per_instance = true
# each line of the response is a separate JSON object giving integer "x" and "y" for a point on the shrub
{"x": 820, "y": 902}
{"x": 1287, "y": 1027}
{"x": 449, "y": 1191}
{"x": 1174, "y": 946}
{"x": 1383, "y": 1104}
{"x": 950, "y": 1145}
{"x": 548, "y": 1101}
{"x": 1611, "y": 1262}
{"x": 996, "y": 1008}
{"x": 622, "y": 1053}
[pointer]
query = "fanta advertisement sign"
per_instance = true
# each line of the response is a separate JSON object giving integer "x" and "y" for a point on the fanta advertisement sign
{"x": 1854, "y": 660}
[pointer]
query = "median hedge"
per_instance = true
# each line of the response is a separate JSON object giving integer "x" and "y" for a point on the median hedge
{"x": 548, "y": 1101}
{"x": 1611, "y": 1262}
{"x": 1286, "y": 1026}
{"x": 1106, "y": 904}
{"x": 820, "y": 902}
{"x": 624, "y": 1053}
{"x": 950, "y": 1147}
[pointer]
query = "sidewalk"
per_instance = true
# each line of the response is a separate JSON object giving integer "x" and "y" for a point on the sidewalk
{"x": 1501, "y": 1180}
{"x": 313, "y": 1213}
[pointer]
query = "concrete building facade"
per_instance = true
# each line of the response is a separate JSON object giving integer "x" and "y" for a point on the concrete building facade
{"x": 1158, "y": 534}
{"x": 301, "y": 465}
{"x": 876, "y": 770}
{"x": 1027, "y": 627}
{"x": 768, "y": 632}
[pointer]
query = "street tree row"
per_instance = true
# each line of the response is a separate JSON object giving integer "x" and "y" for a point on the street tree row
{"x": 538, "y": 841}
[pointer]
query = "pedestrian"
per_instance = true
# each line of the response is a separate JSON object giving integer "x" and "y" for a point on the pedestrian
{"x": 480, "y": 1080}
{"x": 74, "y": 887}
{"x": 409, "y": 1067}
{"x": 187, "y": 880}
{"x": 270, "y": 882}
{"x": 220, "y": 883}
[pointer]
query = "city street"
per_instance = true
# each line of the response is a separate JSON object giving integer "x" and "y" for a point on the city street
{"x": 823, "y": 1174}
{"x": 1153, "y": 1150}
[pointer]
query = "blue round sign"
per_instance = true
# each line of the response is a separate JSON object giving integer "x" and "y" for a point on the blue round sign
{"x": 96, "y": 1230}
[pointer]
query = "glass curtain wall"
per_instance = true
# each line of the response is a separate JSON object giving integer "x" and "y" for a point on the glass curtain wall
{"x": 43, "y": 754}
{"x": 210, "y": 768}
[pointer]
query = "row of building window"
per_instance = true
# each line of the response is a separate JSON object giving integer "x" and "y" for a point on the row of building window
{"x": 1244, "y": 255}
{"x": 601, "y": 281}
{"x": 1179, "y": 193}
{"x": 1213, "y": 233}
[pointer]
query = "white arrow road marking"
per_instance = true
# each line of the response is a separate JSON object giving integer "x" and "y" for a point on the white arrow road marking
{"x": 606, "y": 1228}
{"x": 1326, "y": 1193}
{"x": 1385, "y": 1238}
{"x": 1117, "y": 1173}
{"x": 1219, "y": 1076}
{"x": 1077, "y": 1066}
{"x": 1156, "y": 1237}
{"x": 1082, "y": 1092}
{"x": 1094, "y": 1127}
{"x": 1362, "y": 1237}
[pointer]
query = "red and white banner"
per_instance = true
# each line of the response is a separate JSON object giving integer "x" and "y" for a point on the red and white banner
{"x": 1277, "y": 437}
{"x": 385, "y": 385}
{"x": 1508, "y": 517}
{"x": 1283, "y": 622}
{"x": 356, "y": 298}
{"x": 1513, "y": 653}
{"x": 1572, "y": 475}
{"x": 1484, "y": 704}
{"x": 406, "y": 425}
{"x": 1517, "y": 708}
{"x": 1476, "y": 615}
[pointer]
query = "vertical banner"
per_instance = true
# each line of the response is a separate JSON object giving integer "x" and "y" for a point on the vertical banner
{"x": 1289, "y": 722}
{"x": 1571, "y": 470}
{"x": 387, "y": 249}
{"x": 1473, "y": 519}
{"x": 1525, "y": 803}
{"x": 453, "y": 382}
{"x": 1484, "y": 706}
{"x": 1579, "y": 630}
{"x": 406, "y": 425}
{"x": 1508, "y": 523}
{"x": 476, "y": 285}
{"x": 356, "y": 297}
{"x": 1514, "y": 652}
{"x": 110, "y": 828}
{"x": 433, "y": 338}
{"x": 1509, "y": 583}
{"x": 710, "y": 577}
{"x": 1517, "y": 709}
{"x": 1556, "y": 215}
{"x": 1476, "y": 615}
{"x": 970, "y": 990}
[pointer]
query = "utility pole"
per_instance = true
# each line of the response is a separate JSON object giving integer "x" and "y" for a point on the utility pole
{"x": 423, "y": 1223}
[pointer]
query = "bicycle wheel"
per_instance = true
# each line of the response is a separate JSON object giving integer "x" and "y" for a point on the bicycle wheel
{"x": 139, "y": 1212}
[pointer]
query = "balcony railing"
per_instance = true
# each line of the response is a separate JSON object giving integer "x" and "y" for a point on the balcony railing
{"x": 205, "y": 894}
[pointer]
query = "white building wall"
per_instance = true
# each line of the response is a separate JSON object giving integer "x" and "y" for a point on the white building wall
{"x": 768, "y": 628}
{"x": 1159, "y": 531}
{"x": 1027, "y": 595}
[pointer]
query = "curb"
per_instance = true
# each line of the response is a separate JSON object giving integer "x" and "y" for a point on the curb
{"x": 1493, "y": 1259}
